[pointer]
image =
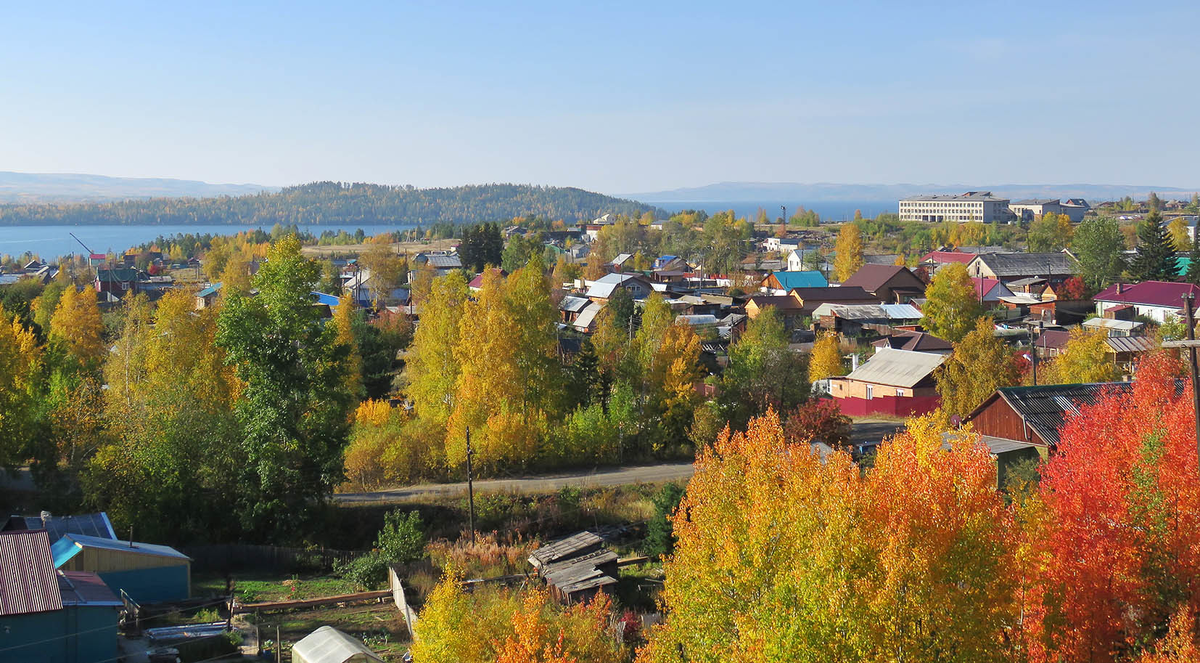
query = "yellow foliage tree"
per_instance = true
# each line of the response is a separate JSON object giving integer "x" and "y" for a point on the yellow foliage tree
{"x": 849, "y": 248}
{"x": 1085, "y": 359}
{"x": 826, "y": 360}
{"x": 979, "y": 364}
{"x": 20, "y": 359}
{"x": 343, "y": 322}
{"x": 77, "y": 326}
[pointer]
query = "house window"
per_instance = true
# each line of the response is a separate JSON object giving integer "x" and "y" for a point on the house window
{"x": 900, "y": 393}
{"x": 870, "y": 392}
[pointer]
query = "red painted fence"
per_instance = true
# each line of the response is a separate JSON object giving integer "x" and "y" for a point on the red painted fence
{"x": 895, "y": 406}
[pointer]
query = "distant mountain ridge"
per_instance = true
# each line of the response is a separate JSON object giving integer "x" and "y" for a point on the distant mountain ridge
{"x": 827, "y": 191}
{"x": 77, "y": 187}
{"x": 338, "y": 203}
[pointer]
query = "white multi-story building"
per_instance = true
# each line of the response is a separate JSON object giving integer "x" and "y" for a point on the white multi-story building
{"x": 970, "y": 206}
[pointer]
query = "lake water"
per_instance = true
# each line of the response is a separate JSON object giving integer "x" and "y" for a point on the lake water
{"x": 50, "y": 242}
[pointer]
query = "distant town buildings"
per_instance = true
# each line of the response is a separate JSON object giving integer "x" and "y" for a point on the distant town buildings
{"x": 970, "y": 206}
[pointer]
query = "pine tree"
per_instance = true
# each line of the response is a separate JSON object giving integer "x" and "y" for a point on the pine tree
{"x": 1193, "y": 270}
{"x": 1155, "y": 259}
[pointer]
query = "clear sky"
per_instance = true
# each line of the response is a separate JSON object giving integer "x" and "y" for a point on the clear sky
{"x": 611, "y": 96}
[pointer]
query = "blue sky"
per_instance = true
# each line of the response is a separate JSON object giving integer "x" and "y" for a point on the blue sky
{"x": 614, "y": 96}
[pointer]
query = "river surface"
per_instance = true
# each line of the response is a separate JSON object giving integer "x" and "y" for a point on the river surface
{"x": 50, "y": 242}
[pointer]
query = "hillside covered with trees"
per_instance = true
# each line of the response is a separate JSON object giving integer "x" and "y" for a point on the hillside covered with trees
{"x": 339, "y": 203}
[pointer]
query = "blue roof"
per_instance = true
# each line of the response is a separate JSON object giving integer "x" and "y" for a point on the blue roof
{"x": 210, "y": 290}
{"x": 789, "y": 280}
{"x": 71, "y": 544}
{"x": 323, "y": 298}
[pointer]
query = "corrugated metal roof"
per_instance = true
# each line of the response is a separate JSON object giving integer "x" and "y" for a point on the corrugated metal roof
{"x": 1166, "y": 294}
{"x": 1028, "y": 264}
{"x": 789, "y": 280}
{"x": 1131, "y": 344}
{"x": 27, "y": 580}
{"x": 329, "y": 645}
{"x": 70, "y": 545}
{"x": 1044, "y": 408}
{"x": 210, "y": 290}
{"x": 444, "y": 261}
{"x": 868, "y": 311}
{"x": 897, "y": 368}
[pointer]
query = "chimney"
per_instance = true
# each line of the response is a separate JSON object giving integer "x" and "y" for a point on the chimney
{"x": 1120, "y": 288}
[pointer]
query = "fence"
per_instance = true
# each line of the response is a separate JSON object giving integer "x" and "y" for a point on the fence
{"x": 224, "y": 557}
{"x": 889, "y": 405}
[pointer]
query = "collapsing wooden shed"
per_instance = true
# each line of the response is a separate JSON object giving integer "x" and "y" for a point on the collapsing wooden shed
{"x": 576, "y": 568}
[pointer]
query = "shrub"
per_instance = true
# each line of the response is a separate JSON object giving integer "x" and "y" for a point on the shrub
{"x": 366, "y": 571}
{"x": 402, "y": 539}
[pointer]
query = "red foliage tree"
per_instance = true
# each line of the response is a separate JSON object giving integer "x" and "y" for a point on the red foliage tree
{"x": 818, "y": 419}
{"x": 1072, "y": 289}
{"x": 1114, "y": 536}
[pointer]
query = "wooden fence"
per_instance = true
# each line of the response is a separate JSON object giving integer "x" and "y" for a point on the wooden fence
{"x": 224, "y": 557}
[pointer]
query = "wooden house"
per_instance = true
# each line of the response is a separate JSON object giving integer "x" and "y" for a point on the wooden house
{"x": 1036, "y": 414}
{"x": 889, "y": 283}
{"x": 146, "y": 572}
{"x": 892, "y": 382}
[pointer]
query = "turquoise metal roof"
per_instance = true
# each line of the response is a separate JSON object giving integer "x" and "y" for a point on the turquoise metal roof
{"x": 789, "y": 280}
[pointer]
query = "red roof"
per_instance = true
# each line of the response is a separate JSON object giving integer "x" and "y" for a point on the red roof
{"x": 82, "y": 588}
{"x": 1149, "y": 293}
{"x": 27, "y": 580}
{"x": 983, "y": 286}
{"x": 477, "y": 282}
{"x": 948, "y": 256}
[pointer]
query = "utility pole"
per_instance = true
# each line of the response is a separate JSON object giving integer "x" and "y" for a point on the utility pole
{"x": 470, "y": 488}
{"x": 783, "y": 209}
{"x": 1189, "y": 313}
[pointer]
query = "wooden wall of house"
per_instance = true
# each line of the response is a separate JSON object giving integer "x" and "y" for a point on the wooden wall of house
{"x": 103, "y": 560}
{"x": 999, "y": 420}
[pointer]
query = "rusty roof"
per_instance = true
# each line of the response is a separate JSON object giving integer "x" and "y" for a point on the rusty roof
{"x": 27, "y": 580}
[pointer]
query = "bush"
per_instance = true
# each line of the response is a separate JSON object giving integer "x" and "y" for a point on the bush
{"x": 367, "y": 571}
{"x": 402, "y": 539}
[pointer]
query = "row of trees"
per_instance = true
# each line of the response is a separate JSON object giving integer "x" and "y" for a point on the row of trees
{"x": 227, "y": 422}
{"x": 782, "y": 554}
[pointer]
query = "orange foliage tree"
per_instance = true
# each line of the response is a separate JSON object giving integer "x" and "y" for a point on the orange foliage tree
{"x": 784, "y": 556}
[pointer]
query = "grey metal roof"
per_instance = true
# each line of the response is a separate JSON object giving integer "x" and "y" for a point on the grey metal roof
{"x": 587, "y": 315}
{"x": 972, "y": 196}
{"x": 1108, "y": 323}
{"x": 573, "y": 304}
{"x": 897, "y": 368}
{"x": 329, "y": 645}
{"x": 444, "y": 261}
{"x": 1036, "y": 201}
{"x": 995, "y": 445}
{"x": 886, "y": 312}
{"x": 1028, "y": 264}
{"x": 696, "y": 320}
{"x": 1045, "y": 408}
{"x": 1131, "y": 344}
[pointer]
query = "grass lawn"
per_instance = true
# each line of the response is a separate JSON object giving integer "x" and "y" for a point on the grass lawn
{"x": 259, "y": 587}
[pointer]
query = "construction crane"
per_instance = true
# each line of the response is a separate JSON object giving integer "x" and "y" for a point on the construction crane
{"x": 85, "y": 246}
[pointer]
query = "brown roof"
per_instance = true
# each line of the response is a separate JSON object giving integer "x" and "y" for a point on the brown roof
{"x": 873, "y": 277}
{"x": 844, "y": 294}
{"x": 27, "y": 580}
{"x": 780, "y": 302}
{"x": 914, "y": 341}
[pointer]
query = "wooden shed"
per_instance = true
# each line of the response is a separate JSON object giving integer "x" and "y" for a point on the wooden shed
{"x": 146, "y": 572}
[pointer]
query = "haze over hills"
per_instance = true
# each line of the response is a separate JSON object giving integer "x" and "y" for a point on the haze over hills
{"x": 825, "y": 191}
{"x": 74, "y": 187}
{"x": 337, "y": 203}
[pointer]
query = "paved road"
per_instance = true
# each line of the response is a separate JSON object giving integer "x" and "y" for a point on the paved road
{"x": 864, "y": 431}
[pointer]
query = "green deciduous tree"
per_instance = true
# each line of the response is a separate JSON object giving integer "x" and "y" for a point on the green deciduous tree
{"x": 294, "y": 407}
{"x": 951, "y": 306}
{"x": 763, "y": 372}
{"x": 1098, "y": 244}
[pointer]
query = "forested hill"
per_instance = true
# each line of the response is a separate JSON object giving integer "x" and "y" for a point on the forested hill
{"x": 340, "y": 203}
